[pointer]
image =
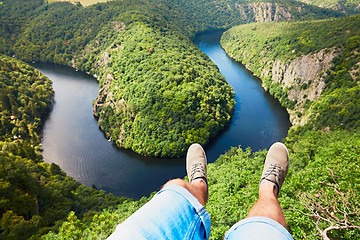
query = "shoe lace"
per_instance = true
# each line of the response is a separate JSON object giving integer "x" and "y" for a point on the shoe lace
{"x": 274, "y": 169}
{"x": 197, "y": 168}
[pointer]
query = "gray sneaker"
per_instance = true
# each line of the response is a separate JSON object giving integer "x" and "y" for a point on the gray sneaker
{"x": 196, "y": 163}
{"x": 276, "y": 165}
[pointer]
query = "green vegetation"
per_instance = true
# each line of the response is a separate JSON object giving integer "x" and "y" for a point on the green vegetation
{"x": 163, "y": 101}
{"x": 156, "y": 87}
{"x": 35, "y": 197}
{"x": 258, "y": 46}
{"x": 288, "y": 40}
{"x": 25, "y": 96}
{"x": 322, "y": 188}
{"x": 323, "y": 171}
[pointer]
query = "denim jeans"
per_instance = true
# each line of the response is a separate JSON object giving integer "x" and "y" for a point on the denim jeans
{"x": 258, "y": 228}
{"x": 173, "y": 213}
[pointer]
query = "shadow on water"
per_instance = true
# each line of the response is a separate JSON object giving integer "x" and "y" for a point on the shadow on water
{"x": 72, "y": 139}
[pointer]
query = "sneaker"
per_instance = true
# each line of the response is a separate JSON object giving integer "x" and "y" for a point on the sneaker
{"x": 196, "y": 163}
{"x": 276, "y": 165}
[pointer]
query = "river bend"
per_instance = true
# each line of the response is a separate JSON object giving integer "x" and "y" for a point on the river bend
{"x": 72, "y": 139}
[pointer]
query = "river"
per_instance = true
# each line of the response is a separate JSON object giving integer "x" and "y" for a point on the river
{"x": 72, "y": 139}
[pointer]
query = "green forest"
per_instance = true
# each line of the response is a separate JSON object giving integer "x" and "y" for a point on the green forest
{"x": 157, "y": 87}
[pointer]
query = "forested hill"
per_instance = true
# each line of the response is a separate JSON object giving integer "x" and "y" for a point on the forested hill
{"x": 320, "y": 196}
{"x": 159, "y": 93}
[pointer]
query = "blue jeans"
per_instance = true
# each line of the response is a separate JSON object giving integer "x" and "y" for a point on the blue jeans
{"x": 174, "y": 213}
{"x": 258, "y": 228}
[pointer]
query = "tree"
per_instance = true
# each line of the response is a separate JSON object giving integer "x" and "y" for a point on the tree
{"x": 332, "y": 208}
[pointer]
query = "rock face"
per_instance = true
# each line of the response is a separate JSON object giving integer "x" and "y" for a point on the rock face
{"x": 302, "y": 79}
{"x": 265, "y": 12}
{"x": 102, "y": 96}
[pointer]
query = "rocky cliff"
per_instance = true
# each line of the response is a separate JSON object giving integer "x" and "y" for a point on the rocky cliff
{"x": 302, "y": 79}
{"x": 265, "y": 12}
{"x": 272, "y": 11}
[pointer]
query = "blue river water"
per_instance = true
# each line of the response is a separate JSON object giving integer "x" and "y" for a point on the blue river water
{"x": 72, "y": 139}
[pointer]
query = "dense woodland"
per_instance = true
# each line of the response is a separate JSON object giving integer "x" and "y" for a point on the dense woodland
{"x": 35, "y": 196}
{"x": 154, "y": 80}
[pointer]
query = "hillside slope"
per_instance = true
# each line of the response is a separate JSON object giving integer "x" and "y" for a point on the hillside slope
{"x": 300, "y": 62}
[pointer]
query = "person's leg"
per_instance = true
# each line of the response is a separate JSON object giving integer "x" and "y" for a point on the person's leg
{"x": 196, "y": 171}
{"x": 266, "y": 219}
{"x": 274, "y": 173}
{"x": 268, "y": 205}
{"x": 177, "y": 210}
{"x": 197, "y": 188}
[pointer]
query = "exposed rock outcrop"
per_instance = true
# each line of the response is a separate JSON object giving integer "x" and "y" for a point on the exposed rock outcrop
{"x": 118, "y": 26}
{"x": 265, "y": 12}
{"x": 302, "y": 79}
{"x": 103, "y": 95}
